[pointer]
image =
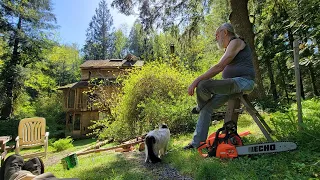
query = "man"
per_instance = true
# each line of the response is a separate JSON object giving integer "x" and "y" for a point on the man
{"x": 238, "y": 76}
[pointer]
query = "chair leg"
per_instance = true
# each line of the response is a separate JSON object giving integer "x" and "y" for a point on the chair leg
{"x": 46, "y": 148}
{"x": 17, "y": 149}
{"x": 231, "y": 114}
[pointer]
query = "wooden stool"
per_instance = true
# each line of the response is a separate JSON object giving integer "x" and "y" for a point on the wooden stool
{"x": 233, "y": 111}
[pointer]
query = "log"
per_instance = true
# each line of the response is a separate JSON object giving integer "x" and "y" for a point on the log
{"x": 123, "y": 146}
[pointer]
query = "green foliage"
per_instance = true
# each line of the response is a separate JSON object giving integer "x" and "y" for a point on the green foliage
{"x": 120, "y": 44}
{"x": 136, "y": 39}
{"x": 24, "y": 106}
{"x": 155, "y": 94}
{"x": 40, "y": 79}
{"x": 9, "y": 127}
{"x": 63, "y": 144}
{"x": 50, "y": 107}
{"x": 268, "y": 104}
{"x": 62, "y": 65}
{"x": 25, "y": 45}
{"x": 286, "y": 124}
{"x": 99, "y": 40}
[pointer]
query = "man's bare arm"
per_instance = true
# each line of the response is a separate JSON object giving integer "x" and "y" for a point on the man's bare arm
{"x": 232, "y": 50}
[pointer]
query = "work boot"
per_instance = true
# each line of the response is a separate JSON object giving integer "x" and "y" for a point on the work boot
{"x": 34, "y": 165}
{"x": 11, "y": 165}
{"x": 188, "y": 147}
{"x": 195, "y": 110}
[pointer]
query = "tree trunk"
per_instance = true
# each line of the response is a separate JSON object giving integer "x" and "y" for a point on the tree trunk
{"x": 11, "y": 75}
{"x": 270, "y": 74}
{"x": 313, "y": 80}
{"x": 283, "y": 80}
{"x": 239, "y": 18}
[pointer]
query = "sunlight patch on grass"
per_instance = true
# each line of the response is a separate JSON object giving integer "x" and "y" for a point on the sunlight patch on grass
{"x": 101, "y": 166}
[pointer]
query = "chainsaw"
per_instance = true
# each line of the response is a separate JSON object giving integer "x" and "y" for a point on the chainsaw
{"x": 227, "y": 143}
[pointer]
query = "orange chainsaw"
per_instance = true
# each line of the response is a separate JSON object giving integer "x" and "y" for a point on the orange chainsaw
{"x": 227, "y": 143}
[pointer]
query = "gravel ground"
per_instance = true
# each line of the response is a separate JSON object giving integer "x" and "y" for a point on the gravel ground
{"x": 161, "y": 170}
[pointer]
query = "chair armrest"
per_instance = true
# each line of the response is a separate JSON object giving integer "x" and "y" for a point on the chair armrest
{"x": 17, "y": 138}
{"x": 47, "y": 134}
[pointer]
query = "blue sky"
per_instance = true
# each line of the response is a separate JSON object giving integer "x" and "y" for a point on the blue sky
{"x": 73, "y": 17}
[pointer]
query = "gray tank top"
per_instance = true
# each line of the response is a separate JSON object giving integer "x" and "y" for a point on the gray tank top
{"x": 241, "y": 65}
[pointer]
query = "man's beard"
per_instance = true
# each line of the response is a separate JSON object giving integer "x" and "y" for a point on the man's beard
{"x": 220, "y": 43}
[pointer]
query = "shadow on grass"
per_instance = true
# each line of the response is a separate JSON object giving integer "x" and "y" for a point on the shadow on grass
{"x": 83, "y": 142}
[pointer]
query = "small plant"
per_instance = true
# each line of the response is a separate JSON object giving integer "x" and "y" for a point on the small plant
{"x": 63, "y": 144}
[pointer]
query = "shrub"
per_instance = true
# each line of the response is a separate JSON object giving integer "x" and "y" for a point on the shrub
{"x": 155, "y": 94}
{"x": 63, "y": 144}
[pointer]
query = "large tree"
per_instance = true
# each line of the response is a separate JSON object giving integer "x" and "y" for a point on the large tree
{"x": 239, "y": 18}
{"x": 24, "y": 25}
{"x": 99, "y": 41}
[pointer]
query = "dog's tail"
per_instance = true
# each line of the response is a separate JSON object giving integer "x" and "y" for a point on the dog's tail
{"x": 150, "y": 140}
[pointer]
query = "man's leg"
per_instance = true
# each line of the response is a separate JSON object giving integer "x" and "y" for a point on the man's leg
{"x": 208, "y": 88}
{"x": 211, "y": 94}
{"x": 201, "y": 131}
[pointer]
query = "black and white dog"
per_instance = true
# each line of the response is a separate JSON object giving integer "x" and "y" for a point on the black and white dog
{"x": 156, "y": 143}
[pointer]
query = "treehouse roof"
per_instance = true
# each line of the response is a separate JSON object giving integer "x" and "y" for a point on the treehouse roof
{"x": 111, "y": 63}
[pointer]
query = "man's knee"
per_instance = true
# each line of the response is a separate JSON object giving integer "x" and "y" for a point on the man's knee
{"x": 202, "y": 84}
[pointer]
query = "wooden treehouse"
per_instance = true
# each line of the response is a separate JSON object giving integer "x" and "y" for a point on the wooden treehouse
{"x": 79, "y": 108}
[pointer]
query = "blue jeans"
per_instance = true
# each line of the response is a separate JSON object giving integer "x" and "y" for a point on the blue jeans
{"x": 212, "y": 94}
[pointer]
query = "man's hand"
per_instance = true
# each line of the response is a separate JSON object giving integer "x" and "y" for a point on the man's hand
{"x": 192, "y": 87}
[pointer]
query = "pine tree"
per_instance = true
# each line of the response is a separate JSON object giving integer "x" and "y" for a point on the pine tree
{"x": 99, "y": 41}
{"x": 136, "y": 39}
{"x": 24, "y": 25}
{"x": 120, "y": 44}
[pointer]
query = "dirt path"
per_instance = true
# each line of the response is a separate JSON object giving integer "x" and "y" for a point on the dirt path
{"x": 160, "y": 170}
{"x": 55, "y": 159}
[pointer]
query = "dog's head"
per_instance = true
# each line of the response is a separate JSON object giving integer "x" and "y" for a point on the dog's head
{"x": 163, "y": 126}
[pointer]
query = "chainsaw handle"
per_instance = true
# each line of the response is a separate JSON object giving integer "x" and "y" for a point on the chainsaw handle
{"x": 200, "y": 148}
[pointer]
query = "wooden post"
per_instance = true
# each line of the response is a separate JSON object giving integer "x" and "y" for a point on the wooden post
{"x": 172, "y": 48}
{"x": 297, "y": 74}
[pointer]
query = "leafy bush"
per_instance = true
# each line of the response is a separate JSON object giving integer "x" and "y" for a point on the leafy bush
{"x": 155, "y": 94}
{"x": 63, "y": 144}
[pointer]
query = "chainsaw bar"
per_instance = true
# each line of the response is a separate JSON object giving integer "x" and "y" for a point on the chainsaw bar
{"x": 272, "y": 147}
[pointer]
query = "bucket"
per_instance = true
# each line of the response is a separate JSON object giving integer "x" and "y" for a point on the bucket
{"x": 70, "y": 161}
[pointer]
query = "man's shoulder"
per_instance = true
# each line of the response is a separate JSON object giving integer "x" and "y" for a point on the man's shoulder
{"x": 239, "y": 43}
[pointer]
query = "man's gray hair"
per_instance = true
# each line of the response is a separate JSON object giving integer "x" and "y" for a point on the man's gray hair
{"x": 228, "y": 27}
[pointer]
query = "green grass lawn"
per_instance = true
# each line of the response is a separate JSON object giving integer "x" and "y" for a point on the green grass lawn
{"x": 303, "y": 163}
{"x": 102, "y": 166}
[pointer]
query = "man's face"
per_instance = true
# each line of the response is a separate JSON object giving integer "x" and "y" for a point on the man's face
{"x": 220, "y": 38}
